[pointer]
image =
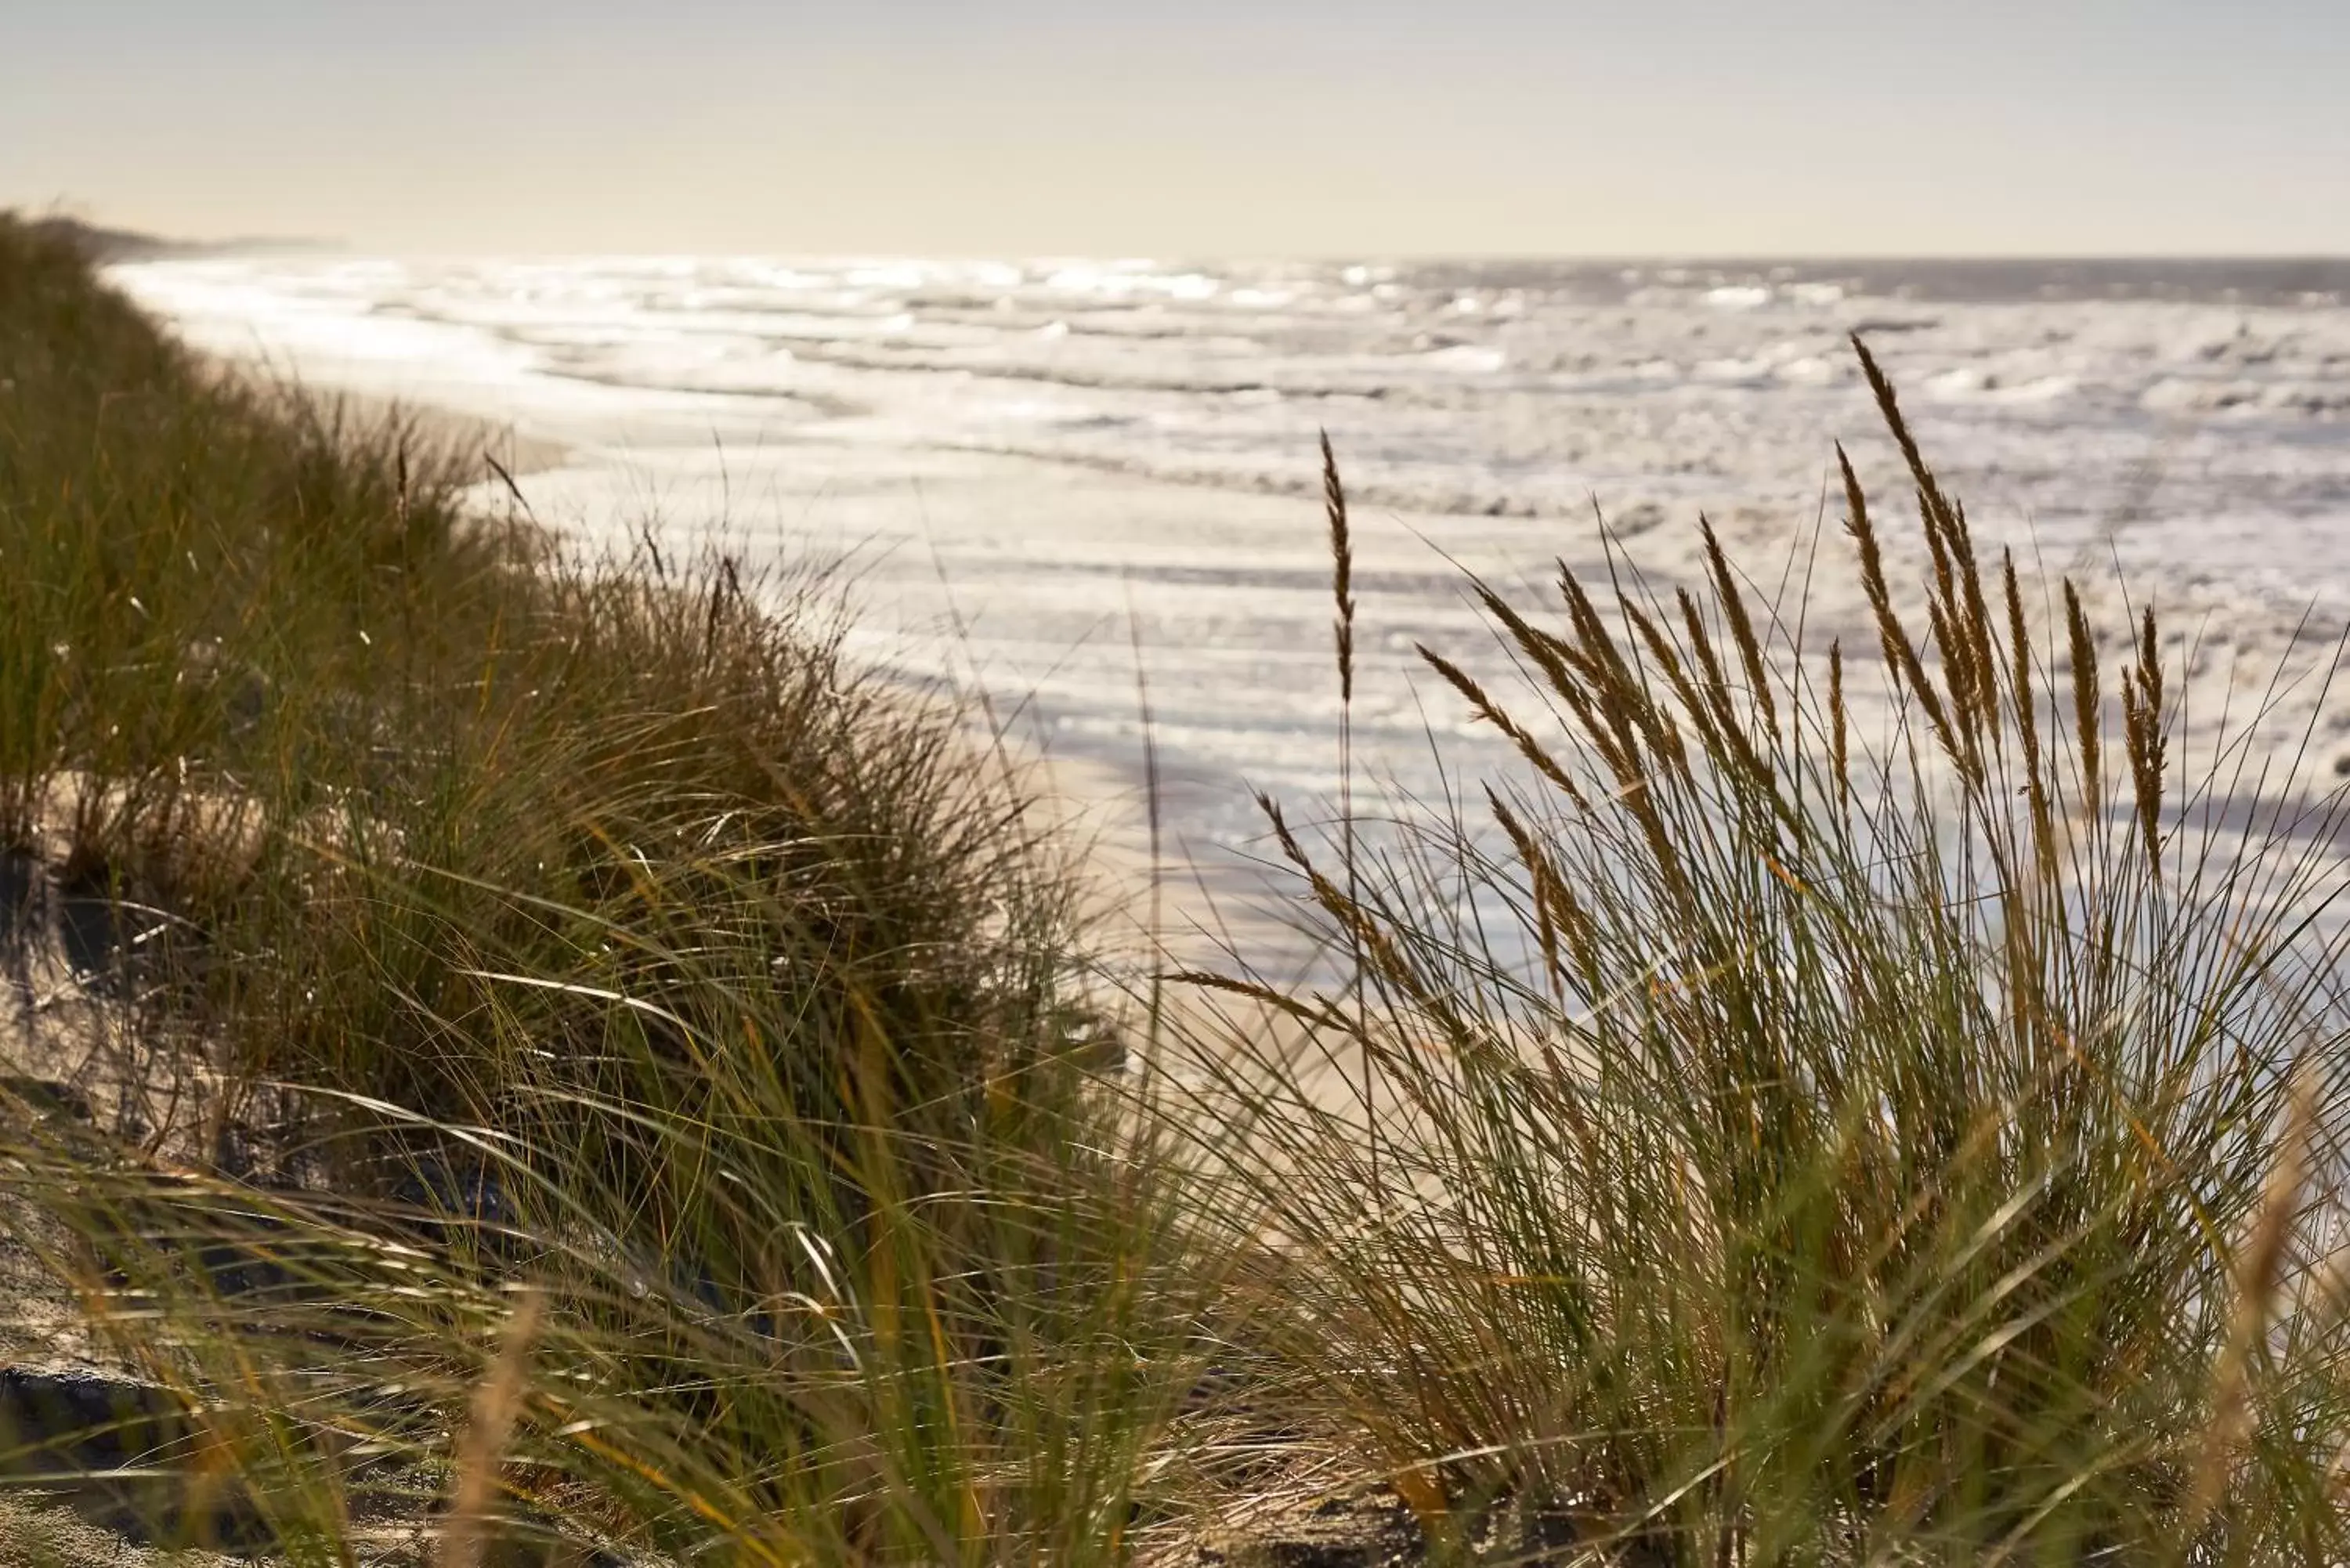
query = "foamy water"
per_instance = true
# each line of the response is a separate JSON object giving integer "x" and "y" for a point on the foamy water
{"x": 1038, "y": 466}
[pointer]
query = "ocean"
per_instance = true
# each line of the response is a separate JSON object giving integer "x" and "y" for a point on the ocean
{"x": 1092, "y": 488}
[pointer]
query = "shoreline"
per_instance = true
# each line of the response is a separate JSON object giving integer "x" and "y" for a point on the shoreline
{"x": 1208, "y": 905}
{"x": 451, "y": 430}
{"x": 1098, "y": 807}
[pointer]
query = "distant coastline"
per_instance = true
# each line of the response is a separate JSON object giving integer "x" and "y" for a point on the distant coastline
{"x": 101, "y": 243}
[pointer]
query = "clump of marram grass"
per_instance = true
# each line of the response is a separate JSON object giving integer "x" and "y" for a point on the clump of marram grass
{"x": 594, "y": 932}
{"x": 423, "y": 798}
{"x": 1850, "y": 1151}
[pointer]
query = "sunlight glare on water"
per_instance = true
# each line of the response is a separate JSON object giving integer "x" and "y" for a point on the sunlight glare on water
{"x": 1035, "y": 466}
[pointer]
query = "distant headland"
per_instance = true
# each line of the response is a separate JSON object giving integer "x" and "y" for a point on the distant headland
{"x": 104, "y": 244}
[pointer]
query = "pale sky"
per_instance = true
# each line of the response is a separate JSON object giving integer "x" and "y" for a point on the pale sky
{"x": 1207, "y": 129}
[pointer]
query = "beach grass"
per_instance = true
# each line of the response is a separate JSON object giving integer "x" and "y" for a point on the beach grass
{"x": 1788, "y": 1140}
{"x": 588, "y": 929}
{"x": 635, "y": 1082}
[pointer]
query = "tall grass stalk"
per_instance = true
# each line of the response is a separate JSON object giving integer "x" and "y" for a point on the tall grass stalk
{"x": 1342, "y": 595}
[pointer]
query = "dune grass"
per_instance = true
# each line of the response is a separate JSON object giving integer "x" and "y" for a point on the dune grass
{"x": 649, "y": 1089}
{"x": 1924, "y": 1142}
{"x": 591, "y": 922}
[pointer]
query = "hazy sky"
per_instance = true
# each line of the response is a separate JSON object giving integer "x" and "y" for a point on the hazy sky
{"x": 1214, "y": 127}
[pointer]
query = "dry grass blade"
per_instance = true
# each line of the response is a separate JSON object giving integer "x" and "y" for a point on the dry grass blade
{"x": 497, "y": 1405}
{"x": 2258, "y": 1276}
{"x": 1839, "y": 730}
